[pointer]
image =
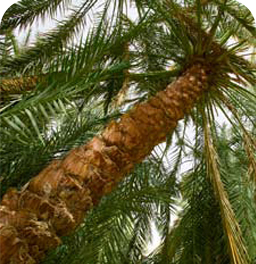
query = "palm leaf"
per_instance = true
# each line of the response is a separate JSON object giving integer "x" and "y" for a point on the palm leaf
{"x": 238, "y": 252}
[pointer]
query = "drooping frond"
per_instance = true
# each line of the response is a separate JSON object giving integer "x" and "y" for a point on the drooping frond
{"x": 48, "y": 45}
{"x": 238, "y": 252}
{"x": 25, "y": 12}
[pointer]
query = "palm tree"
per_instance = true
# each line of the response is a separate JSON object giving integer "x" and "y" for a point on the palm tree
{"x": 177, "y": 60}
{"x": 198, "y": 235}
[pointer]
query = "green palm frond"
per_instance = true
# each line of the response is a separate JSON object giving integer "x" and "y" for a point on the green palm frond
{"x": 236, "y": 168}
{"x": 48, "y": 45}
{"x": 25, "y": 12}
{"x": 47, "y": 131}
{"x": 236, "y": 12}
{"x": 5, "y": 47}
{"x": 238, "y": 251}
{"x": 198, "y": 235}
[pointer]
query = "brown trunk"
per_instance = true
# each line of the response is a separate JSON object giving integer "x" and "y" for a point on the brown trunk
{"x": 18, "y": 85}
{"x": 55, "y": 202}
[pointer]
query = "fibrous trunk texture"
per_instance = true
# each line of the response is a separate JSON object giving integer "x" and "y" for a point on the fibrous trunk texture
{"x": 18, "y": 85}
{"x": 55, "y": 202}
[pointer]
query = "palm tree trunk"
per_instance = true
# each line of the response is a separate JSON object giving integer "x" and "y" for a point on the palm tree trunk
{"x": 55, "y": 202}
{"x": 18, "y": 85}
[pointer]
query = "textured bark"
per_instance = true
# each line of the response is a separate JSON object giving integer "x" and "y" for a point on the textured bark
{"x": 18, "y": 85}
{"x": 55, "y": 202}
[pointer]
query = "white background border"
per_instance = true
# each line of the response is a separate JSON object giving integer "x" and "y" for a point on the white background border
{"x": 250, "y": 4}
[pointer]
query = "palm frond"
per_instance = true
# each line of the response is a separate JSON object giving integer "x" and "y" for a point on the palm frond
{"x": 47, "y": 46}
{"x": 238, "y": 251}
{"x": 25, "y": 12}
{"x": 43, "y": 133}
